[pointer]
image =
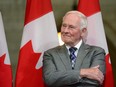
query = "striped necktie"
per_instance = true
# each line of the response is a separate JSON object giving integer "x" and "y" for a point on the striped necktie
{"x": 72, "y": 56}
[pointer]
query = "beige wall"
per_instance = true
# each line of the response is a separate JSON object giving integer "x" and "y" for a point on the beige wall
{"x": 13, "y": 17}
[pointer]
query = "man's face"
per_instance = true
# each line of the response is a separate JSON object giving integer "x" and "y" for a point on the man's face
{"x": 70, "y": 29}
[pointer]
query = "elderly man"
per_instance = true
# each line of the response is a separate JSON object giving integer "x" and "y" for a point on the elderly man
{"x": 74, "y": 64}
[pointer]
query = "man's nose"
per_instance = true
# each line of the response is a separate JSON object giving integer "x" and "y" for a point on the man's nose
{"x": 66, "y": 29}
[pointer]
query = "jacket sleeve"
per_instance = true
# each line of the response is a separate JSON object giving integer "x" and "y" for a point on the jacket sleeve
{"x": 98, "y": 58}
{"x": 55, "y": 78}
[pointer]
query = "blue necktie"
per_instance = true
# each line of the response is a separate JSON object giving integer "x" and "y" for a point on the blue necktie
{"x": 72, "y": 56}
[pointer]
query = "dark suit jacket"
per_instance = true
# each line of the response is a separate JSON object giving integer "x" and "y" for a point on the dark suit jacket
{"x": 57, "y": 70}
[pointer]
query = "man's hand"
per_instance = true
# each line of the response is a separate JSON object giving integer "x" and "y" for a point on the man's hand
{"x": 93, "y": 73}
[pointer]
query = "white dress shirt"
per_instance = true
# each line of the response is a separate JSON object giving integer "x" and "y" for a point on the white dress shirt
{"x": 76, "y": 46}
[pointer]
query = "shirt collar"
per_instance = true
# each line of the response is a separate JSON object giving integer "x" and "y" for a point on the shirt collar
{"x": 77, "y": 45}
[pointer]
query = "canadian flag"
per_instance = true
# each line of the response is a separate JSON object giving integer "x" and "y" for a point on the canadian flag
{"x": 5, "y": 66}
{"x": 96, "y": 34}
{"x": 39, "y": 34}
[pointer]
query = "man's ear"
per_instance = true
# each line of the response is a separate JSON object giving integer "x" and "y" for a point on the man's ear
{"x": 84, "y": 34}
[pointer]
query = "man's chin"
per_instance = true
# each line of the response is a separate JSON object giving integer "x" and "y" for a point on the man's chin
{"x": 67, "y": 42}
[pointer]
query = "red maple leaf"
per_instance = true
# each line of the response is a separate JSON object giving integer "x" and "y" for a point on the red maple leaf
{"x": 27, "y": 74}
{"x": 5, "y": 73}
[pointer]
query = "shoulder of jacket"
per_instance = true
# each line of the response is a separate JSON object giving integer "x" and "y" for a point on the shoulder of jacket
{"x": 94, "y": 47}
{"x": 54, "y": 48}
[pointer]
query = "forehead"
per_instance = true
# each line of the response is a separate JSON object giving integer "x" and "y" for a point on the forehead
{"x": 72, "y": 18}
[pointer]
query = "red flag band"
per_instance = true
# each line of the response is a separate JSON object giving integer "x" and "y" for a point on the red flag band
{"x": 96, "y": 35}
{"x": 5, "y": 66}
{"x": 39, "y": 34}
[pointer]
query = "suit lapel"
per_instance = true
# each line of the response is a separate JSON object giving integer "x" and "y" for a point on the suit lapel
{"x": 63, "y": 53}
{"x": 82, "y": 52}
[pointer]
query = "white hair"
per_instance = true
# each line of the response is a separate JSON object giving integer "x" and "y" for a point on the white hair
{"x": 81, "y": 15}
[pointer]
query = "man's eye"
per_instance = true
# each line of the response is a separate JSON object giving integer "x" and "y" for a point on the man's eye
{"x": 64, "y": 25}
{"x": 71, "y": 27}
